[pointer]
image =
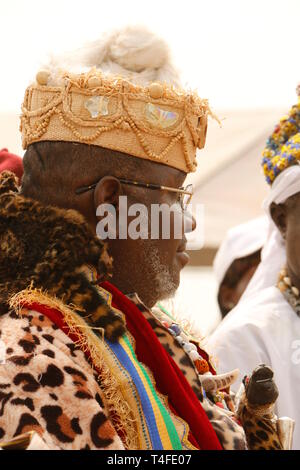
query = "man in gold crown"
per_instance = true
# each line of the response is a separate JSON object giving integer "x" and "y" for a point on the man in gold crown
{"x": 87, "y": 362}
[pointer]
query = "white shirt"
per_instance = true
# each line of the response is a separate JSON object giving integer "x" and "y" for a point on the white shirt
{"x": 263, "y": 329}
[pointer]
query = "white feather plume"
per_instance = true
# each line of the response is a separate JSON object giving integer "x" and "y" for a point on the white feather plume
{"x": 133, "y": 53}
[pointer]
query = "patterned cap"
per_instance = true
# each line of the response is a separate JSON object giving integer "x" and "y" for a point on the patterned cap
{"x": 283, "y": 146}
{"x": 155, "y": 122}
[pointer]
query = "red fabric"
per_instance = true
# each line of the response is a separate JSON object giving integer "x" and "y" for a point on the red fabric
{"x": 11, "y": 162}
{"x": 169, "y": 379}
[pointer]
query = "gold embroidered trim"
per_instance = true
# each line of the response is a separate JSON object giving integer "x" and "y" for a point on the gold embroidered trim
{"x": 60, "y": 114}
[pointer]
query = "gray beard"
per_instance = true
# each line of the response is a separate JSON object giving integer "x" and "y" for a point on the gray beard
{"x": 163, "y": 282}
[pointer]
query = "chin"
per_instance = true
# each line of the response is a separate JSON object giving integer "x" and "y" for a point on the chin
{"x": 169, "y": 290}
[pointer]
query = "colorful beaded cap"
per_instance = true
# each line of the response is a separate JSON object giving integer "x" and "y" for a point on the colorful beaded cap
{"x": 283, "y": 146}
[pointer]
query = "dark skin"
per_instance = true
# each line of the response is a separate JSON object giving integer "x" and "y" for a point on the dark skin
{"x": 236, "y": 280}
{"x": 230, "y": 296}
{"x": 151, "y": 268}
{"x": 287, "y": 219}
{"x": 137, "y": 262}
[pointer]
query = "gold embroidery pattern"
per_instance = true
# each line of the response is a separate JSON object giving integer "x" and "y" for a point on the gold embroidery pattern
{"x": 112, "y": 115}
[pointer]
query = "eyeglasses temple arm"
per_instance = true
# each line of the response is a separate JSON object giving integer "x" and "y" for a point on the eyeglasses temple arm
{"x": 174, "y": 190}
{"x": 84, "y": 189}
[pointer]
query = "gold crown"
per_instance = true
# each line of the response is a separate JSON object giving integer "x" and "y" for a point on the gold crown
{"x": 155, "y": 122}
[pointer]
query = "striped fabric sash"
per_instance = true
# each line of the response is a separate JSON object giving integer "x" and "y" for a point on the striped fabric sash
{"x": 161, "y": 428}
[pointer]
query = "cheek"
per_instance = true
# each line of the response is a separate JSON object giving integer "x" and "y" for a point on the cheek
{"x": 169, "y": 246}
{"x": 169, "y": 229}
{"x": 168, "y": 249}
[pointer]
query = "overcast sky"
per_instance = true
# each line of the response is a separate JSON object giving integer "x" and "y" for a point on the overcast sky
{"x": 237, "y": 53}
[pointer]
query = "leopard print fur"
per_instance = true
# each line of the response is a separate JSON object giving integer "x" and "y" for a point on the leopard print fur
{"x": 256, "y": 410}
{"x": 47, "y": 386}
{"x": 47, "y": 247}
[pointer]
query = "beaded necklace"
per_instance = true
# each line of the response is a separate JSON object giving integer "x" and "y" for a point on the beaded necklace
{"x": 186, "y": 341}
{"x": 290, "y": 292}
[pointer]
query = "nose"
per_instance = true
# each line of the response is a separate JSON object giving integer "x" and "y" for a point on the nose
{"x": 189, "y": 222}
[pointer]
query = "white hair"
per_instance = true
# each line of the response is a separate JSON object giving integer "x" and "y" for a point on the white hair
{"x": 133, "y": 53}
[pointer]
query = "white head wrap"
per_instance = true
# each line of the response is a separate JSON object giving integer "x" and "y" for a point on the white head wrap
{"x": 132, "y": 52}
{"x": 273, "y": 256}
{"x": 240, "y": 241}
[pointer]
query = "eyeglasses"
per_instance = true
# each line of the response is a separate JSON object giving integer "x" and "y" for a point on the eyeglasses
{"x": 184, "y": 193}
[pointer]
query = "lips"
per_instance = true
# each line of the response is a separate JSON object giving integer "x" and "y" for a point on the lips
{"x": 183, "y": 257}
{"x": 181, "y": 254}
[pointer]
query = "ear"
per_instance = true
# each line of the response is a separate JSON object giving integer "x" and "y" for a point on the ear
{"x": 279, "y": 215}
{"x": 107, "y": 191}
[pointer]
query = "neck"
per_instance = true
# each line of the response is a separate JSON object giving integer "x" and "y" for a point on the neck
{"x": 294, "y": 278}
{"x": 127, "y": 287}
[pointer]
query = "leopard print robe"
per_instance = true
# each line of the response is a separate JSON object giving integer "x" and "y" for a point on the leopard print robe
{"x": 47, "y": 385}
